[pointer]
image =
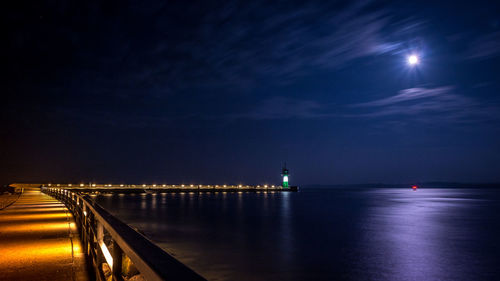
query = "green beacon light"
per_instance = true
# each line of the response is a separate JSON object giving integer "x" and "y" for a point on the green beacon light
{"x": 284, "y": 174}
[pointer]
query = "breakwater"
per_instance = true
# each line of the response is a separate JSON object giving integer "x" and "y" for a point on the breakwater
{"x": 140, "y": 188}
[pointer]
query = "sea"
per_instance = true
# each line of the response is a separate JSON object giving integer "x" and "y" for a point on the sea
{"x": 324, "y": 233}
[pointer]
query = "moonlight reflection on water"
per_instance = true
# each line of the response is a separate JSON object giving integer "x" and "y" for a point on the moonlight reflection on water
{"x": 320, "y": 234}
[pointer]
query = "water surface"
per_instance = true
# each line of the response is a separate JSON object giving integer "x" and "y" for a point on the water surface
{"x": 324, "y": 234}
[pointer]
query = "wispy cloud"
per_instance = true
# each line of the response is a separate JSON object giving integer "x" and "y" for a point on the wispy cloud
{"x": 161, "y": 52}
{"x": 408, "y": 95}
{"x": 285, "y": 108}
{"x": 486, "y": 46}
{"x": 232, "y": 44}
{"x": 429, "y": 105}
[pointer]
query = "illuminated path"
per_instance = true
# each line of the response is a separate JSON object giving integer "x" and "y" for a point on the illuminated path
{"x": 39, "y": 240}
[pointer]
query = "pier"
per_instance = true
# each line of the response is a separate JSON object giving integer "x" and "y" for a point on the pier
{"x": 39, "y": 240}
{"x": 141, "y": 188}
{"x": 56, "y": 232}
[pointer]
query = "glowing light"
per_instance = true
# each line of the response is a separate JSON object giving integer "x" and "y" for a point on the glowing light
{"x": 46, "y": 251}
{"x": 32, "y": 227}
{"x": 106, "y": 253}
{"x": 413, "y": 60}
{"x": 23, "y": 217}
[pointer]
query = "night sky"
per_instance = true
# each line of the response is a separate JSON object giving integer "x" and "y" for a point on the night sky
{"x": 220, "y": 92}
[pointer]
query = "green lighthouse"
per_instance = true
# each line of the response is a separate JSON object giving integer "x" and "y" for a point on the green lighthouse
{"x": 284, "y": 174}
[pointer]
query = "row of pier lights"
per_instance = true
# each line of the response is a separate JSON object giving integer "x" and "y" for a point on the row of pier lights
{"x": 163, "y": 186}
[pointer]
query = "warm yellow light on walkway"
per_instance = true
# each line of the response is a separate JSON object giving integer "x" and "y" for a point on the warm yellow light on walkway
{"x": 35, "y": 242}
{"x": 34, "y": 216}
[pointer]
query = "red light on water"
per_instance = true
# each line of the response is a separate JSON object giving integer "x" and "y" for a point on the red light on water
{"x": 414, "y": 187}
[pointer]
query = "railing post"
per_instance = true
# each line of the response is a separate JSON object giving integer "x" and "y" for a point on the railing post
{"x": 99, "y": 238}
{"x": 100, "y": 232}
{"x": 92, "y": 230}
{"x": 117, "y": 262}
{"x": 84, "y": 230}
{"x": 88, "y": 223}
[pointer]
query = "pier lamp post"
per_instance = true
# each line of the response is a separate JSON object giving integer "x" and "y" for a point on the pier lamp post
{"x": 284, "y": 174}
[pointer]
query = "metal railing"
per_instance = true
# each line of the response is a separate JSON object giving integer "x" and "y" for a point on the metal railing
{"x": 100, "y": 231}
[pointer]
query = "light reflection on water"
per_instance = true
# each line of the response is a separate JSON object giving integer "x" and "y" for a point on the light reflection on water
{"x": 324, "y": 234}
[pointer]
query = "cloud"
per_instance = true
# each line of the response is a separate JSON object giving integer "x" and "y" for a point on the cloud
{"x": 234, "y": 44}
{"x": 285, "y": 108}
{"x": 429, "y": 105}
{"x": 159, "y": 52}
{"x": 169, "y": 53}
{"x": 408, "y": 95}
{"x": 433, "y": 106}
{"x": 484, "y": 47}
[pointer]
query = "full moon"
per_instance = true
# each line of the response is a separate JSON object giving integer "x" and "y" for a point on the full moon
{"x": 412, "y": 59}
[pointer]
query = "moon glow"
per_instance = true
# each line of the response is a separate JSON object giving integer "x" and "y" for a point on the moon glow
{"x": 413, "y": 60}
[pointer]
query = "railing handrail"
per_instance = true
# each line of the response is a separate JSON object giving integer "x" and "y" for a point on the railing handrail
{"x": 150, "y": 260}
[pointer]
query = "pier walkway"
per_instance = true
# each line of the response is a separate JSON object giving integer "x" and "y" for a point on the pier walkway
{"x": 39, "y": 240}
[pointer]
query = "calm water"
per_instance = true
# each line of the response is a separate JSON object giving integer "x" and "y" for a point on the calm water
{"x": 325, "y": 234}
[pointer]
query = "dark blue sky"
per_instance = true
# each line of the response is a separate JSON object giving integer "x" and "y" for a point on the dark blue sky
{"x": 225, "y": 91}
